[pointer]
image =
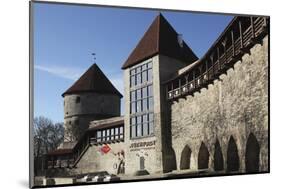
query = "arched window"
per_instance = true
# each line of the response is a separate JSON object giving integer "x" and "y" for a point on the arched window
{"x": 203, "y": 157}
{"x": 185, "y": 158}
{"x": 218, "y": 157}
{"x": 252, "y": 154}
{"x": 232, "y": 156}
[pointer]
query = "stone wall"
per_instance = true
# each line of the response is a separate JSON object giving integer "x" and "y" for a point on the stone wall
{"x": 235, "y": 105}
{"x": 95, "y": 161}
{"x": 92, "y": 103}
{"x": 92, "y": 106}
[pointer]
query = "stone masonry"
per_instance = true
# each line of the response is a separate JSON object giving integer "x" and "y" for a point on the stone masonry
{"x": 235, "y": 105}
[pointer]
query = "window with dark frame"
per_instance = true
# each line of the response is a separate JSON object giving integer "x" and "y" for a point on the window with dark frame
{"x": 141, "y": 101}
{"x": 109, "y": 135}
{"x": 78, "y": 99}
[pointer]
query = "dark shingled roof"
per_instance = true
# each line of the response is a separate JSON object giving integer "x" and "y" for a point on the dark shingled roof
{"x": 106, "y": 123}
{"x": 59, "y": 152}
{"x": 93, "y": 80}
{"x": 160, "y": 38}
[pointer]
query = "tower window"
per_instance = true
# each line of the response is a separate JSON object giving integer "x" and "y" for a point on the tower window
{"x": 76, "y": 122}
{"x": 78, "y": 99}
{"x": 141, "y": 101}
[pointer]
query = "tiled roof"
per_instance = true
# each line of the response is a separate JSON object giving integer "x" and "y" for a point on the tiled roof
{"x": 93, "y": 80}
{"x": 106, "y": 123}
{"x": 60, "y": 152}
{"x": 160, "y": 38}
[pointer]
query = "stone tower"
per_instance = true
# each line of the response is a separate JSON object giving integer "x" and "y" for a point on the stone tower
{"x": 91, "y": 97}
{"x": 160, "y": 53}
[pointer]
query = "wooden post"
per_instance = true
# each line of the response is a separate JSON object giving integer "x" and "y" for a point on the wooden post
{"x": 213, "y": 67}
{"x": 218, "y": 52}
{"x": 253, "y": 28}
{"x": 179, "y": 85}
{"x": 224, "y": 50}
{"x": 241, "y": 33}
{"x": 193, "y": 80}
{"x": 200, "y": 75}
{"x": 167, "y": 91}
{"x": 232, "y": 39}
{"x": 207, "y": 70}
{"x": 264, "y": 21}
{"x": 172, "y": 89}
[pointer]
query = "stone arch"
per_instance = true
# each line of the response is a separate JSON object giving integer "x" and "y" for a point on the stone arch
{"x": 185, "y": 158}
{"x": 203, "y": 157}
{"x": 232, "y": 156}
{"x": 252, "y": 156}
{"x": 218, "y": 157}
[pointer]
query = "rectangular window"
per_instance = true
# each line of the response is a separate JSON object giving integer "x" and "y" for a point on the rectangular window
{"x": 103, "y": 135}
{"x": 133, "y": 95}
{"x": 150, "y": 90}
{"x": 116, "y": 133}
{"x": 144, "y": 104}
{"x": 149, "y": 75}
{"x": 150, "y": 103}
{"x": 138, "y": 79}
{"x": 144, "y": 92}
{"x": 133, "y": 131}
{"x": 144, "y": 76}
{"x": 141, "y": 100}
{"x": 139, "y": 130}
{"x": 108, "y": 134}
{"x": 138, "y": 94}
{"x": 145, "y": 129}
{"x": 98, "y": 136}
{"x": 121, "y": 133}
{"x": 139, "y": 109}
{"x": 151, "y": 128}
{"x": 112, "y": 134}
{"x": 133, "y": 107}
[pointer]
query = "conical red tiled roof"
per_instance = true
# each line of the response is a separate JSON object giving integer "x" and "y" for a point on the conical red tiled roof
{"x": 160, "y": 38}
{"x": 93, "y": 80}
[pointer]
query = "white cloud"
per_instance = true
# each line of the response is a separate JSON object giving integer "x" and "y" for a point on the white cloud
{"x": 73, "y": 74}
{"x": 60, "y": 71}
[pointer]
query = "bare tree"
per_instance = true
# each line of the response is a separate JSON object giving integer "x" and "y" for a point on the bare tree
{"x": 47, "y": 136}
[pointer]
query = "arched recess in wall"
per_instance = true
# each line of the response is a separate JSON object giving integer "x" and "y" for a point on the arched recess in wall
{"x": 252, "y": 158}
{"x": 185, "y": 158}
{"x": 218, "y": 157}
{"x": 203, "y": 157}
{"x": 232, "y": 156}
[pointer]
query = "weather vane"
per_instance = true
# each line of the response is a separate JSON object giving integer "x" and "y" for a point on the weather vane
{"x": 94, "y": 55}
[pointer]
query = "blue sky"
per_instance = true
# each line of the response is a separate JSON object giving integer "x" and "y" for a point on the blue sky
{"x": 66, "y": 35}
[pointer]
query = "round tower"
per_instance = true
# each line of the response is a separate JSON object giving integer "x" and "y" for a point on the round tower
{"x": 91, "y": 97}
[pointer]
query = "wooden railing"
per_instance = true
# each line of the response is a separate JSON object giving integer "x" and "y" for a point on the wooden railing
{"x": 257, "y": 29}
{"x": 70, "y": 160}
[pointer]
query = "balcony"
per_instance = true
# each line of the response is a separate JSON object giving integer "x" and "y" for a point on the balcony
{"x": 236, "y": 40}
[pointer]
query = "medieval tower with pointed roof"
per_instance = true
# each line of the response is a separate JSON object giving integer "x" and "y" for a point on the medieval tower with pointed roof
{"x": 91, "y": 97}
{"x": 157, "y": 56}
{"x": 182, "y": 115}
